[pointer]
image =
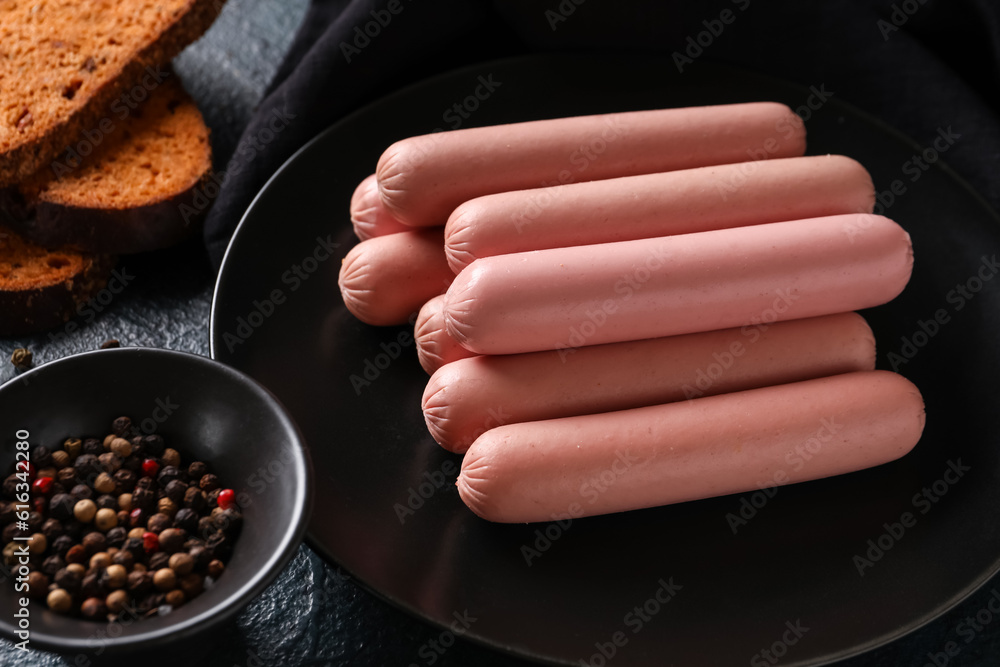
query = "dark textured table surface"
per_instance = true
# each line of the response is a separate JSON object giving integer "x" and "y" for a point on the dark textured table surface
{"x": 314, "y": 613}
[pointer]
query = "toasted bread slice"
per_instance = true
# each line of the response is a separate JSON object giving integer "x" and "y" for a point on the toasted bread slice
{"x": 67, "y": 65}
{"x": 133, "y": 193}
{"x": 41, "y": 289}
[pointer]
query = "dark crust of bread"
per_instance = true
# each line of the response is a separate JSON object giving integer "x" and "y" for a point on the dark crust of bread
{"x": 30, "y": 311}
{"x": 108, "y": 231}
{"x": 29, "y": 157}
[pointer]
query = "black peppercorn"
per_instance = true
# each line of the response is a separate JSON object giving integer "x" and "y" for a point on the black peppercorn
{"x": 41, "y": 457}
{"x": 208, "y": 483}
{"x": 207, "y": 527}
{"x": 88, "y": 467}
{"x": 176, "y": 490}
{"x": 61, "y": 506}
{"x": 75, "y": 530}
{"x": 67, "y": 476}
{"x": 193, "y": 542}
{"x": 134, "y": 546}
{"x": 53, "y": 564}
{"x": 144, "y": 499}
{"x": 116, "y": 537}
{"x": 158, "y": 523}
{"x": 133, "y": 464}
{"x": 9, "y": 532}
{"x": 125, "y": 479}
{"x": 93, "y": 447}
{"x": 139, "y": 583}
{"x": 159, "y": 560}
{"x": 168, "y": 474}
{"x": 148, "y": 604}
{"x": 122, "y": 427}
{"x": 212, "y": 499}
{"x": 138, "y": 446}
{"x": 38, "y": 585}
{"x": 82, "y": 492}
{"x": 68, "y": 579}
{"x": 7, "y": 512}
{"x": 107, "y": 501}
{"x": 52, "y": 528}
{"x": 194, "y": 498}
{"x": 219, "y": 546}
{"x": 230, "y": 522}
{"x": 197, "y": 470}
{"x": 35, "y": 521}
{"x": 146, "y": 484}
{"x": 154, "y": 445}
{"x": 202, "y": 557}
{"x": 61, "y": 544}
{"x": 91, "y": 586}
{"x": 110, "y": 462}
{"x": 187, "y": 519}
{"x": 10, "y": 487}
{"x": 172, "y": 540}
{"x": 94, "y": 542}
{"x": 123, "y": 558}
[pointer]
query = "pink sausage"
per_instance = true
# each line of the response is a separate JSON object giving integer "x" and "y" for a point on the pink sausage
{"x": 435, "y": 347}
{"x": 677, "y": 202}
{"x": 369, "y": 217}
{"x": 713, "y": 446}
{"x": 565, "y": 298}
{"x": 422, "y": 179}
{"x": 385, "y": 280}
{"x": 471, "y": 396}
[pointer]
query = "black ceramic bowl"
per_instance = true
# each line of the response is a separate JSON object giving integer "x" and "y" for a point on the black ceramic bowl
{"x": 205, "y": 410}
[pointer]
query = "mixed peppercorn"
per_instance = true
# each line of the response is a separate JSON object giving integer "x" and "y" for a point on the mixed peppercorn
{"x": 119, "y": 525}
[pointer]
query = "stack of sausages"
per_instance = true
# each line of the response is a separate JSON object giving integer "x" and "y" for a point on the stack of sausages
{"x": 636, "y": 309}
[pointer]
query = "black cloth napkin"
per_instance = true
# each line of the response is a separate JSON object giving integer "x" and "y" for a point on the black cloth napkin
{"x": 922, "y": 66}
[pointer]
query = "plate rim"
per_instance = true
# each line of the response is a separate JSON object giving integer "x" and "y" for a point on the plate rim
{"x": 561, "y": 59}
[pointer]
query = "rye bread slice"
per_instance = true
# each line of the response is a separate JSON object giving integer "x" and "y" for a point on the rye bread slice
{"x": 41, "y": 289}
{"x": 65, "y": 65}
{"x": 133, "y": 193}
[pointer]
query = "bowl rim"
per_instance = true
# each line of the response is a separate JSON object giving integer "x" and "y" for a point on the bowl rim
{"x": 288, "y": 544}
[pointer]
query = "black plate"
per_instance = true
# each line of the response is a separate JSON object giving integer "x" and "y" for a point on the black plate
{"x": 355, "y": 391}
